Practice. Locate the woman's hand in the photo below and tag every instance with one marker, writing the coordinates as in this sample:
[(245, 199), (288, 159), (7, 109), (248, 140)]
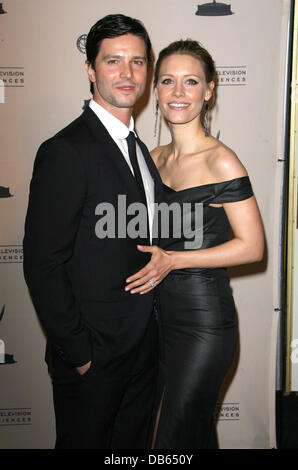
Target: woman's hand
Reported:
[(153, 273)]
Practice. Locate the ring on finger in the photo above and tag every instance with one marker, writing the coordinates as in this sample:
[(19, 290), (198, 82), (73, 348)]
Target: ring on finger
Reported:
[(151, 282)]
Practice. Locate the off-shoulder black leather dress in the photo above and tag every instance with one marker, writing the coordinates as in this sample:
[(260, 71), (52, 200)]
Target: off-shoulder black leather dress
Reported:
[(197, 321)]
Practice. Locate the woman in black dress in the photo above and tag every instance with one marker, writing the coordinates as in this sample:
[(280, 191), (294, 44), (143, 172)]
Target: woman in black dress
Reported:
[(196, 307)]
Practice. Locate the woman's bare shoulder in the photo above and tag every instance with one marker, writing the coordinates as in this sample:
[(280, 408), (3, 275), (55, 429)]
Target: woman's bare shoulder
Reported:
[(225, 164)]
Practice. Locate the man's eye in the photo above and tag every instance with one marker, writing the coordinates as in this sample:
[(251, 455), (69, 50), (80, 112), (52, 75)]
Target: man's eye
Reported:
[(112, 61)]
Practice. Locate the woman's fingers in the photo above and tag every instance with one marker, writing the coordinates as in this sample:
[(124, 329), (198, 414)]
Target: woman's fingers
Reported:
[(145, 287), (142, 281), (152, 274), (138, 275)]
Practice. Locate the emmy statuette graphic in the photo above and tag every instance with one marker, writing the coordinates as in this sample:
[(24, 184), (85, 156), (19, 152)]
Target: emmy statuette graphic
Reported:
[(214, 9), (4, 192)]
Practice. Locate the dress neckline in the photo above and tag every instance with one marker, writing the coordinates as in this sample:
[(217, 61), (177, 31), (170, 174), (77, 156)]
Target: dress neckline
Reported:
[(203, 185)]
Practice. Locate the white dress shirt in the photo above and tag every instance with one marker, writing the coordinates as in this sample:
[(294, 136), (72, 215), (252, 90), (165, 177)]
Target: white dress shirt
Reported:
[(119, 132)]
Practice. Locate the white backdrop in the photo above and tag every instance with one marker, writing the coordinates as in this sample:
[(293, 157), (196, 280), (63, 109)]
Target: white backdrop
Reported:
[(45, 87)]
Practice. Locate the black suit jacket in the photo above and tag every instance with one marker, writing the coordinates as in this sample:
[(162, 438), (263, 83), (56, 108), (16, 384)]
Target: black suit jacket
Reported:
[(77, 280)]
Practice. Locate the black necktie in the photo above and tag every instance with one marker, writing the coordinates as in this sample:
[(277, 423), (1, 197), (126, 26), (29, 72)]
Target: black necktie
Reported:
[(131, 142)]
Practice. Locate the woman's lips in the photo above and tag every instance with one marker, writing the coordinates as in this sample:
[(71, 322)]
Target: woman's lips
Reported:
[(178, 106)]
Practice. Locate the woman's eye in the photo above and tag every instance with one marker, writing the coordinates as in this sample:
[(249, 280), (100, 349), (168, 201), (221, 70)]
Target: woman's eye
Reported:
[(166, 81), (191, 81)]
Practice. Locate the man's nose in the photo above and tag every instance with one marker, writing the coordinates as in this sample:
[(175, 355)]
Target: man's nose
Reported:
[(126, 70)]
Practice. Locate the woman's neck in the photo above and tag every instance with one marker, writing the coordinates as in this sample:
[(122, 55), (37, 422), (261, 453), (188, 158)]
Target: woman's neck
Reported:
[(187, 138)]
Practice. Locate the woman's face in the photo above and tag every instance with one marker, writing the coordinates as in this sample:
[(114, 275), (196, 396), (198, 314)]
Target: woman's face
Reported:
[(182, 88)]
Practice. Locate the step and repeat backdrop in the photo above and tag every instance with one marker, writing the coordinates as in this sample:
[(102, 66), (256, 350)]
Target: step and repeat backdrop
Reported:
[(43, 86)]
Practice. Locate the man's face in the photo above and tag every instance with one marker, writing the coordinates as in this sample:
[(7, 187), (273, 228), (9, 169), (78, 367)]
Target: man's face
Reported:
[(120, 72)]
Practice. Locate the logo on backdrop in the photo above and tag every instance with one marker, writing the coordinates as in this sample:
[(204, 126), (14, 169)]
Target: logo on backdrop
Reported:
[(4, 192), (214, 9), (232, 75), (11, 254), (15, 416), (81, 43), (4, 358), (227, 412), (12, 76), (1, 9)]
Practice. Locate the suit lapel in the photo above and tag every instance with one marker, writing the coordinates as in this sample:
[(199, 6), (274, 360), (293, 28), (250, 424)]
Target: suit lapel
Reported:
[(111, 150), (114, 154)]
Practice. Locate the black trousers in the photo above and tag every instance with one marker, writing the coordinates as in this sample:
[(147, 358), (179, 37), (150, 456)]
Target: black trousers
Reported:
[(111, 405), (99, 412)]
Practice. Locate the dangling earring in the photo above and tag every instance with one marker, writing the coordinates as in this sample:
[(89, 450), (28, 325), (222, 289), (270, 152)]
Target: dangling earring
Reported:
[(206, 121), (156, 119)]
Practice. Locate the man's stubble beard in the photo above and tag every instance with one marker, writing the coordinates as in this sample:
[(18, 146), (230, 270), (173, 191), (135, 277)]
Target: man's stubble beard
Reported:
[(119, 102)]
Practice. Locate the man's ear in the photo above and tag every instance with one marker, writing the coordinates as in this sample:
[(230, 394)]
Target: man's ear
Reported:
[(90, 71)]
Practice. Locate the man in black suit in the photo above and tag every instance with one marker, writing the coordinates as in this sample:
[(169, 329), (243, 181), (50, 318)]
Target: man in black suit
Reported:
[(101, 340)]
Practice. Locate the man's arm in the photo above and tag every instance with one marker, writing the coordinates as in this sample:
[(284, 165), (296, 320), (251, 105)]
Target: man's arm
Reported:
[(56, 201)]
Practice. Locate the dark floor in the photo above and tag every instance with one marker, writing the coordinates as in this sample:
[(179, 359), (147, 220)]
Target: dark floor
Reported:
[(287, 420)]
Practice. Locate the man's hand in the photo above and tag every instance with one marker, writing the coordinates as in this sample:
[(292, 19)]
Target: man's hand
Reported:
[(83, 369)]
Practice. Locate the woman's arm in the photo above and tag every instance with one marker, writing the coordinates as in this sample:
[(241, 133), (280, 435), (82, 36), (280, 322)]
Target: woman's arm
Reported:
[(247, 245)]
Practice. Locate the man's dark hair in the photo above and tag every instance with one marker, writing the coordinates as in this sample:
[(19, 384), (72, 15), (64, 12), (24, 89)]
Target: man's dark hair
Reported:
[(112, 26)]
